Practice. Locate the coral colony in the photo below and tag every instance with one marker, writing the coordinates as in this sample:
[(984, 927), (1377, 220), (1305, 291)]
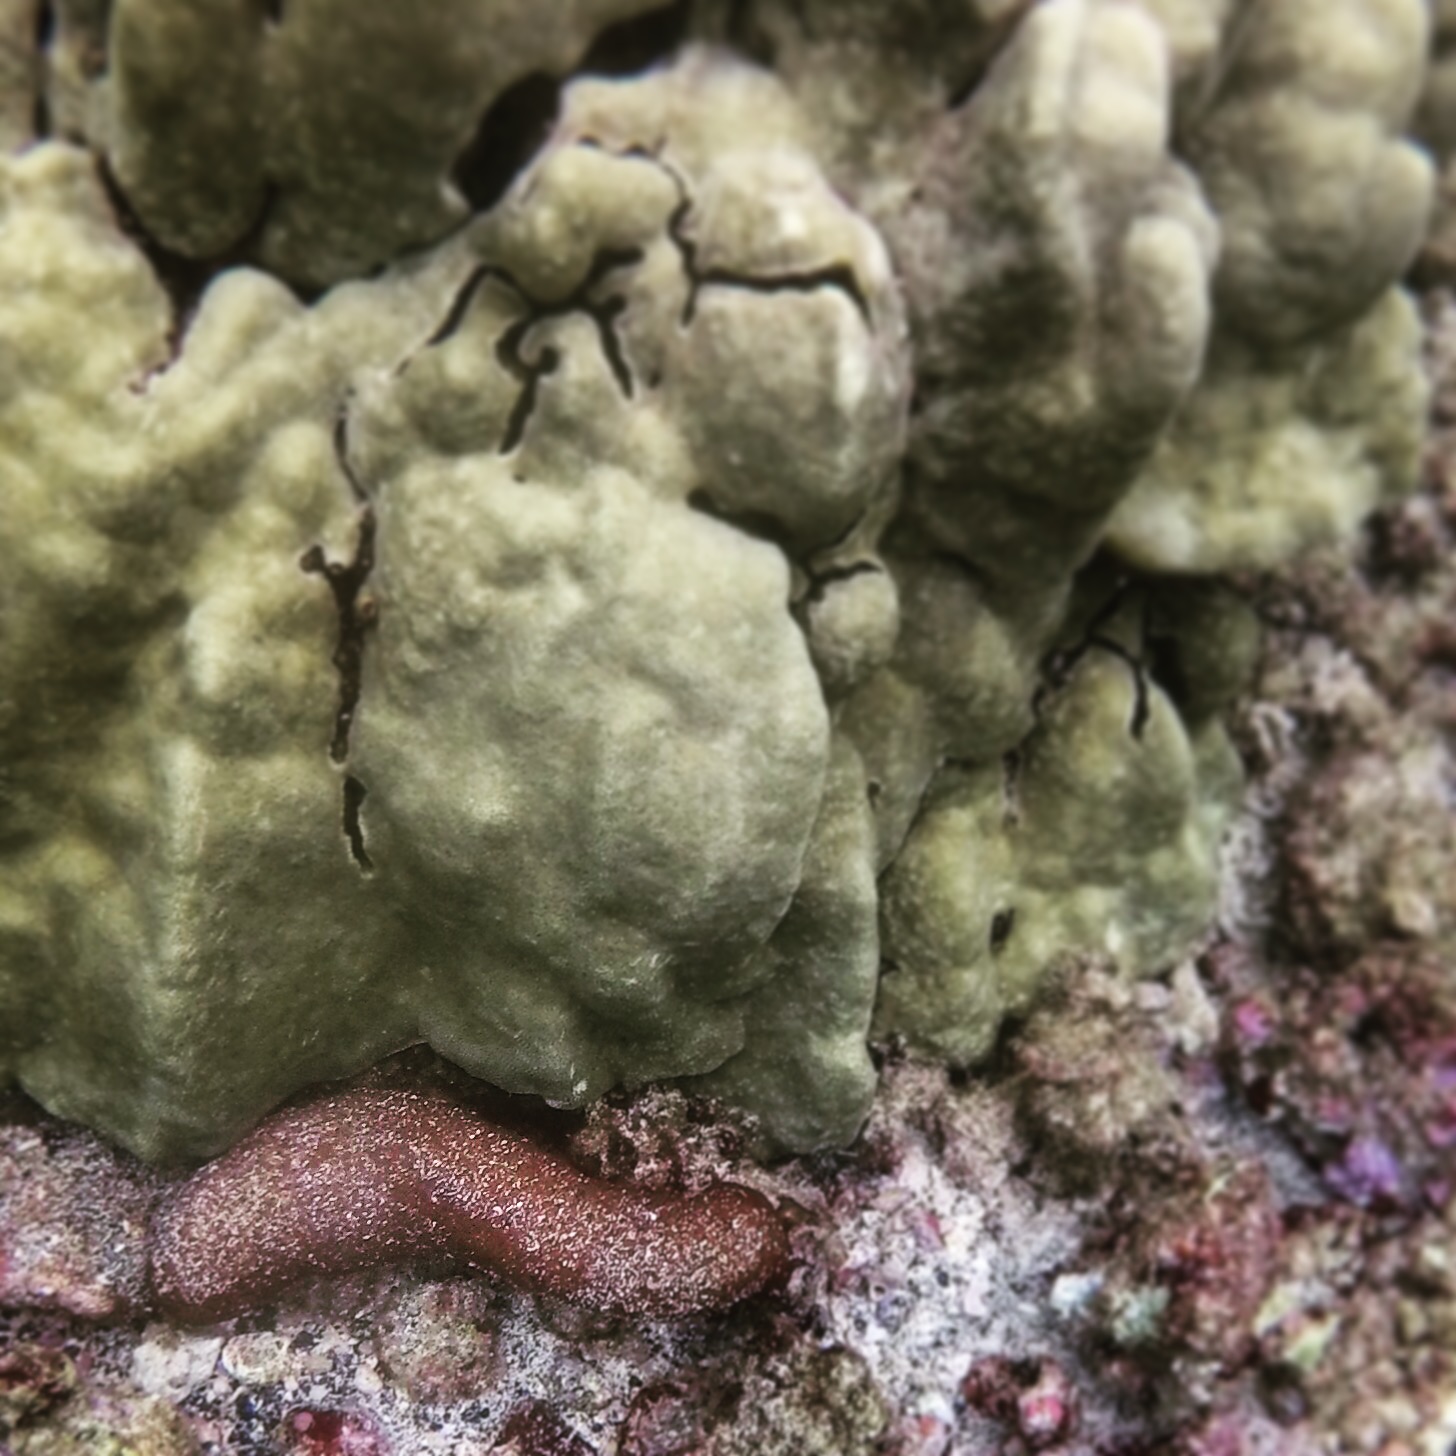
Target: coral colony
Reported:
[(727, 727)]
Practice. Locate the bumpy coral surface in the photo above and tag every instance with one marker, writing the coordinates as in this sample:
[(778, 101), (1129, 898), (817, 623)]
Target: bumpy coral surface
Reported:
[(540, 647), (519, 455), (756, 548)]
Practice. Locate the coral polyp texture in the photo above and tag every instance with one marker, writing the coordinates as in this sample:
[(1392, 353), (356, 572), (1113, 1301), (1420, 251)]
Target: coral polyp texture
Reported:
[(863, 583)]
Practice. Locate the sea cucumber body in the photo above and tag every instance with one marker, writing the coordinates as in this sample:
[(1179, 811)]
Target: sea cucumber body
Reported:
[(370, 1177)]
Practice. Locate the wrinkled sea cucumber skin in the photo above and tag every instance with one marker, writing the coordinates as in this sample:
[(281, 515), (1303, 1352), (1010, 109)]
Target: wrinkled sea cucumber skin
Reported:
[(370, 1177)]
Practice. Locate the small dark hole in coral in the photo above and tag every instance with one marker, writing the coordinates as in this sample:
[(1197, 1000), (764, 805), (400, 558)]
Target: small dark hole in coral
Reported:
[(45, 25), (1003, 922), (1370, 1030), (1260, 1095), (272, 11)]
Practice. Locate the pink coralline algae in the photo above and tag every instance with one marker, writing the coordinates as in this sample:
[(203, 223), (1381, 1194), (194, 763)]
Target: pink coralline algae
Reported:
[(331, 1433), (368, 1177), (536, 1430)]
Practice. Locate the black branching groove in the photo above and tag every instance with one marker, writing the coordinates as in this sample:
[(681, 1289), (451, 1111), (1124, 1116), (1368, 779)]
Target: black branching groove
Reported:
[(531, 376), (345, 579), (354, 794), (357, 614), (460, 305), (687, 248), (840, 276), (341, 454), (1060, 666), (837, 275), (603, 312)]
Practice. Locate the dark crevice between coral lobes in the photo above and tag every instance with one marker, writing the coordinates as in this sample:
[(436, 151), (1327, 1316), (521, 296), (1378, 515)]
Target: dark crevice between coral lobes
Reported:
[(518, 122), (45, 32), (758, 524), (821, 581), (1060, 672), (1237, 34), (184, 278), (988, 52), (1061, 664)]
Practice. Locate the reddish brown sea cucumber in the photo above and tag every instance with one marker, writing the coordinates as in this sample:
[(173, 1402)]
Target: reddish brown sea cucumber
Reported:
[(369, 1177)]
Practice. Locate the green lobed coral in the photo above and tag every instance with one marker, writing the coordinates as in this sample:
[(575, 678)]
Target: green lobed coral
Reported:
[(582, 879), (564, 645)]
